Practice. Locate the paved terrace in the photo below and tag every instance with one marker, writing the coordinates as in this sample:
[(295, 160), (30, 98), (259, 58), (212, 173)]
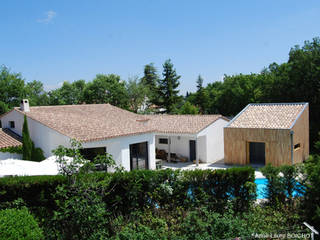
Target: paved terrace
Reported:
[(213, 166)]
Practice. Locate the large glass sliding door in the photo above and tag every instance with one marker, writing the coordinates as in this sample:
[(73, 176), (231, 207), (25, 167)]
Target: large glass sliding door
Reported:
[(139, 156)]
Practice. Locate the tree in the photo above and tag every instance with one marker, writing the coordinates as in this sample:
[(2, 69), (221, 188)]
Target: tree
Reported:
[(34, 91), (3, 108), (167, 87), (137, 93), (27, 144), (201, 96), (150, 80), (188, 108), (106, 89), (68, 93), (11, 87)]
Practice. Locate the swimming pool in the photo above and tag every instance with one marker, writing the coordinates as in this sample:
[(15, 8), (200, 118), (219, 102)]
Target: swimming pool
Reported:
[(262, 186)]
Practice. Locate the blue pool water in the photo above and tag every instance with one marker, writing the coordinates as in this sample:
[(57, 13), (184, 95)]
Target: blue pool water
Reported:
[(261, 186)]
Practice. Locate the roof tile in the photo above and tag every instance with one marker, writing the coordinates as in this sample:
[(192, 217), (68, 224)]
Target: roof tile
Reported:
[(268, 115)]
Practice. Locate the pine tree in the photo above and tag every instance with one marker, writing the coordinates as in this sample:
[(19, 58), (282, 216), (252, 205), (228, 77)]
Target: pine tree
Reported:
[(167, 88), (27, 145), (201, 96), (150, 77)]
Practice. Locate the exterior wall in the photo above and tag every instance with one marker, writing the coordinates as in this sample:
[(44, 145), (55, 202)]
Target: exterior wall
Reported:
[(119, 148), (48, 139), (301, 135), (7, 155), (42, 136), (214, 141), (179, 144), (277, 145)]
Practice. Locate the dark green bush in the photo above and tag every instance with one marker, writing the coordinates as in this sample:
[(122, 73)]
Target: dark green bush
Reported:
[(282, 184), (18, 224), (36, 191)]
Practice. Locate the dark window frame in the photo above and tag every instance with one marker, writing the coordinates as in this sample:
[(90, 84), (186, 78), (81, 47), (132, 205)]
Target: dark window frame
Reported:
[(136, 155), (12, 124), (163, 141)]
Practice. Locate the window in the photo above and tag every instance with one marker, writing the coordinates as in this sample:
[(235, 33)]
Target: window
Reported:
[(163, 140), (297, 146), (11, 124), (91, 153)]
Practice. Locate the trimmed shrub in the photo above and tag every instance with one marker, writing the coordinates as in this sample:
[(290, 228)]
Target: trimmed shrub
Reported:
[(35, 191), (18, 224)]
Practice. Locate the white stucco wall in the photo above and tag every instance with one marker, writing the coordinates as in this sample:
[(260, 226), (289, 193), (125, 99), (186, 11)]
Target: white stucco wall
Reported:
[(119, 148), (179, 144), (42, 136), (7, 155), (48, 139), (214, 137)]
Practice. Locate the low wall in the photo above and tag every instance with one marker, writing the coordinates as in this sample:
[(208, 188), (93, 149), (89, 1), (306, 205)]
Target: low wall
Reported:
[(7, 155)]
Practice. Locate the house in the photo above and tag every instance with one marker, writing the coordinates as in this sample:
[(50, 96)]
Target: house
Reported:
[(130, 138), (276, 133)]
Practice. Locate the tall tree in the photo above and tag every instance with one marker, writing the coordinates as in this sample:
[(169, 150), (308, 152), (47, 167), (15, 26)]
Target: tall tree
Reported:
[(11, 87), (106, 89), (202, 98), (27, 145), (34, 91), (167, 87), (150, 80), (137, 94)]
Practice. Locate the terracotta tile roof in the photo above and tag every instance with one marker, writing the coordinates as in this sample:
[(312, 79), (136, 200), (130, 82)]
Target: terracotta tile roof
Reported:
[(93, 122), (182, 123), (268, 115), (9, 139)]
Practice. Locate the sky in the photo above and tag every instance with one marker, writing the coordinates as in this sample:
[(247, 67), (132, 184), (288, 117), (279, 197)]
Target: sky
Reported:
[(57, 41)]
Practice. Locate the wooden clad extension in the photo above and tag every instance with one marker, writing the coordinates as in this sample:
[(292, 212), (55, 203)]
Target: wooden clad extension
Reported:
[(279, 148)]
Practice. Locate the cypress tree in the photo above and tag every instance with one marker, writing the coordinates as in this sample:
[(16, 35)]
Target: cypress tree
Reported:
[(168, 92), (27, 144)]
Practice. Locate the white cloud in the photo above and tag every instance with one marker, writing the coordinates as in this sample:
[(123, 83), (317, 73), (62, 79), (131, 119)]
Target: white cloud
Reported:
[(49, 16)]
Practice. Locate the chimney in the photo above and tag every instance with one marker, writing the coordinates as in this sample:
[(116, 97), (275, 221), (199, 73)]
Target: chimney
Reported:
[(24, 106)]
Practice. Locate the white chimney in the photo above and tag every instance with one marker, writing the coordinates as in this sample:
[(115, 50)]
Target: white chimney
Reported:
[(24, 105)]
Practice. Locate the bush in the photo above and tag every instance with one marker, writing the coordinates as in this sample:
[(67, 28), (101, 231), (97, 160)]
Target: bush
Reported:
[(18, 224), (35, 191), (282, 184)]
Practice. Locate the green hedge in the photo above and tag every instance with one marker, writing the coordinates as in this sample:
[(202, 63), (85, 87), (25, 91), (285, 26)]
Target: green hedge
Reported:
[(17, 149), (36, 191), (128, 191)]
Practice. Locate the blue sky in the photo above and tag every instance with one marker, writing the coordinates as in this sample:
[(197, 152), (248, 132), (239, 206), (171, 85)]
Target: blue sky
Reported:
[(56, 41)]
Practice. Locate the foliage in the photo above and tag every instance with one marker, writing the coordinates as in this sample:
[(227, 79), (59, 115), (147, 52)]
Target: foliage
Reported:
[(282, 184), (311, 203), (27, 144), (68, 93), (150, 79), (137, 93), (11, 87), (29, 151), (106, 89), (17, 149), (3, 108), (201, 96), (18, 224), (167, 87), (188, 108)]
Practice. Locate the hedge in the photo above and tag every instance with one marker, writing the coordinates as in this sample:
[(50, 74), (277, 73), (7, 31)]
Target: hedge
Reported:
[(140, 189), (18, 224)]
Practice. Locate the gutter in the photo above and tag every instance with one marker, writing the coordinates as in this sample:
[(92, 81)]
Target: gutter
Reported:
[(291, 141)]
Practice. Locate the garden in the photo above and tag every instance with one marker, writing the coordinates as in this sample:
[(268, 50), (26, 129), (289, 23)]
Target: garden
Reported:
[(83, 203)]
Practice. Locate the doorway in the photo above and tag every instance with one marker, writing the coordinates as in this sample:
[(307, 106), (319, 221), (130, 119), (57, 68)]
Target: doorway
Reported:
[(257, 153), (192, 148), (139, 156)]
